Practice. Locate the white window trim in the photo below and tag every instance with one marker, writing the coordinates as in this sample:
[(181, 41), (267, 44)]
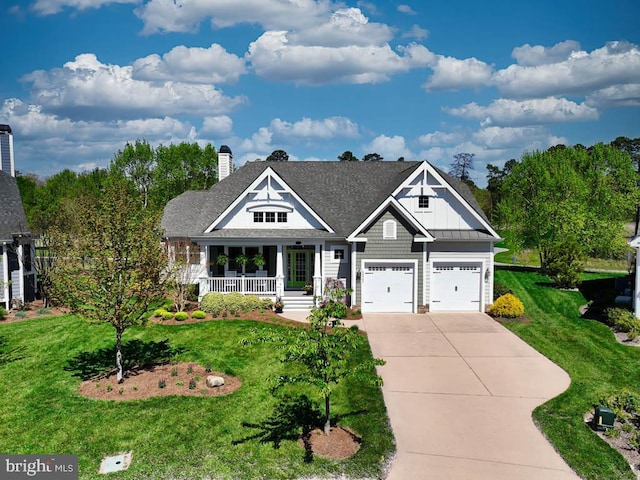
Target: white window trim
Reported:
[(423, 209), (389, 224), (332, 254)]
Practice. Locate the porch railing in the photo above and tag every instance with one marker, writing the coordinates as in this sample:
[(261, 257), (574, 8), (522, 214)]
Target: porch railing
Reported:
[(262, 286)]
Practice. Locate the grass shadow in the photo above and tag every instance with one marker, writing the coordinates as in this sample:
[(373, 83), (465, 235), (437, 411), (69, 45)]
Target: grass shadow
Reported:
[(600, 294), (135, 353), (294, 417), (7, 354)]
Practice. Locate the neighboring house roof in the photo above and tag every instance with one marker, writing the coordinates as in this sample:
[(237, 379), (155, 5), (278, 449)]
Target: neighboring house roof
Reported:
[(343, 194), (12, 218)]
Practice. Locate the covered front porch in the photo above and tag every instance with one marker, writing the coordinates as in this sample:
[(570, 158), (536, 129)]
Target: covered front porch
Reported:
[(263, 270)]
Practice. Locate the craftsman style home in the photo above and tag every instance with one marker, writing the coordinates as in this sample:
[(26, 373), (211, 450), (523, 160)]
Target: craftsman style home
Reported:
[(404, 236)]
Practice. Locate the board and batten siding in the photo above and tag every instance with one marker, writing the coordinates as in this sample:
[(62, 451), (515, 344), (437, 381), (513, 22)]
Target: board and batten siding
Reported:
[(476, 252), (401, 248)]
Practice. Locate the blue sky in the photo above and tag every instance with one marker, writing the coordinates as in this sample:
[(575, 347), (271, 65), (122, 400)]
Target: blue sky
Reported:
[(417, 79)]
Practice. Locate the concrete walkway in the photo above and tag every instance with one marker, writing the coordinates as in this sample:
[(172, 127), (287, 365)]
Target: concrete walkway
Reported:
[(460, 389)]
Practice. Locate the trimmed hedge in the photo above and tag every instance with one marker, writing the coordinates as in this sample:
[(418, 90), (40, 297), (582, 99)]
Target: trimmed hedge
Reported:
[(233, 303)]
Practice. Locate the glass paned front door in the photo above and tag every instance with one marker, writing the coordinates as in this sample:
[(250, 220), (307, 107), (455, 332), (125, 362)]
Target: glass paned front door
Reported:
[(299, 267)]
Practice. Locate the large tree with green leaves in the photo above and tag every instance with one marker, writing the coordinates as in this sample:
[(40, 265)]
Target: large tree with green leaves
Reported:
[(110, 267), (570, 198)]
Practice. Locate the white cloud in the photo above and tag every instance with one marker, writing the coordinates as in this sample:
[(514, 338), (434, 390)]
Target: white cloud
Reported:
[(416, 33), (186, 16), (259, 141), (86, 88), (50, 7), (617, 63), (616, 96), (507, 112), (346, 27), (391, 148), (453, 74), (439, 138), (54, 143), (219, 126), (406, 9), (516, 137), (190, 65), (272, 57), (307, 128), (529, 56)]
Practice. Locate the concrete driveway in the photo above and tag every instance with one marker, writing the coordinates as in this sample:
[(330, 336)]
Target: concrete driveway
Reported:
[(460, 389)]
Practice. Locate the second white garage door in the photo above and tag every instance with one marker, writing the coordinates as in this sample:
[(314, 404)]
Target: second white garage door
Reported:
[(388, 287), (455, 286)]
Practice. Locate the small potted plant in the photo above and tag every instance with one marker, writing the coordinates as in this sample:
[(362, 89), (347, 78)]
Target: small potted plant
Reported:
[(308, 288), (278, 305)]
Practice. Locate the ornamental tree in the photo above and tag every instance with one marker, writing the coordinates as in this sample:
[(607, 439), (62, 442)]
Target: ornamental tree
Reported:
[(110, 269), (323, 351)]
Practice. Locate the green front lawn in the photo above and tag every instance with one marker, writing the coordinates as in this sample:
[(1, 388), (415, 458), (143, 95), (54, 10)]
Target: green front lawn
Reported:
[(588, 352), (171, 437)]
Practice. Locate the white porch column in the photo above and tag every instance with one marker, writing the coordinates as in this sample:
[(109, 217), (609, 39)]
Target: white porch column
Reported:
[(636, 290), (279, 271), (21, 271), (317, 272), (354, 273), (5, 276)]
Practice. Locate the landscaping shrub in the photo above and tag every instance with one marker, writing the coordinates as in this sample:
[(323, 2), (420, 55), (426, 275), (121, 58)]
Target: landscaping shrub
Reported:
[(266, 303), (181, 316), (507, 306), (167, 316), (499, 290), (217, 303), (622, 320), (199, 314), (3, 313), (213, 302), (159, 312)]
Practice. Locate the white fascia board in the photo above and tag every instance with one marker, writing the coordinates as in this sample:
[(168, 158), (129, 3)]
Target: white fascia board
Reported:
[(391, 201), (426, 167), (268, 172)]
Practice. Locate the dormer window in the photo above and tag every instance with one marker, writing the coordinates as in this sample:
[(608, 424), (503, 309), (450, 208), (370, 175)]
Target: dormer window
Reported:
[(270, 217), (423, 202)]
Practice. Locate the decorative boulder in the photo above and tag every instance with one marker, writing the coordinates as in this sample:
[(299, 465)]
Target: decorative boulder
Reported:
[(213, 381)]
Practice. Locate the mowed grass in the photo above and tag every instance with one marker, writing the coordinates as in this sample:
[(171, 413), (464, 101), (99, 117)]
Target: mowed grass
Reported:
[(589, 353), (171, 437)]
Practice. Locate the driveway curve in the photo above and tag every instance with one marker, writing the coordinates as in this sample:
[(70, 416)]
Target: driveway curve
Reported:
[(459, 390)]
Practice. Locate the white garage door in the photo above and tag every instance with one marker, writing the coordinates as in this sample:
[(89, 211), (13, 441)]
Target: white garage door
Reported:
[(388, 287), (456, 286)]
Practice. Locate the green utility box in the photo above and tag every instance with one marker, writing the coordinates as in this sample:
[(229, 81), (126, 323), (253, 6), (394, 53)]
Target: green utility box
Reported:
[(603, 418)]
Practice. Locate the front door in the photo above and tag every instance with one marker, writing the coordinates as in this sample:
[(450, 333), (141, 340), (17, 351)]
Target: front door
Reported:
[(299, 267)]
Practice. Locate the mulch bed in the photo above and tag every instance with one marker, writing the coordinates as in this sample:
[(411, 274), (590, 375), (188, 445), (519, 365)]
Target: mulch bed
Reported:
[(143, 383), (340, 443), (620, 443)]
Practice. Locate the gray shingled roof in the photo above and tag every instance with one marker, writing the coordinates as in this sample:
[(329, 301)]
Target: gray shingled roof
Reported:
[(12, 218), (343, 194)]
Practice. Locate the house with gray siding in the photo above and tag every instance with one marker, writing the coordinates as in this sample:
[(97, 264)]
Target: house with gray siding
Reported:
[(17, 274), (403, 236)]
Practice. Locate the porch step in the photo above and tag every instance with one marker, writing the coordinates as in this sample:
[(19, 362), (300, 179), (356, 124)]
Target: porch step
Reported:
[(297, 302)]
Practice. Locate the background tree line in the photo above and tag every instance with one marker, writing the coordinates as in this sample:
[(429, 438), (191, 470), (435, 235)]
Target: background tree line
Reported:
[(157, 175)]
